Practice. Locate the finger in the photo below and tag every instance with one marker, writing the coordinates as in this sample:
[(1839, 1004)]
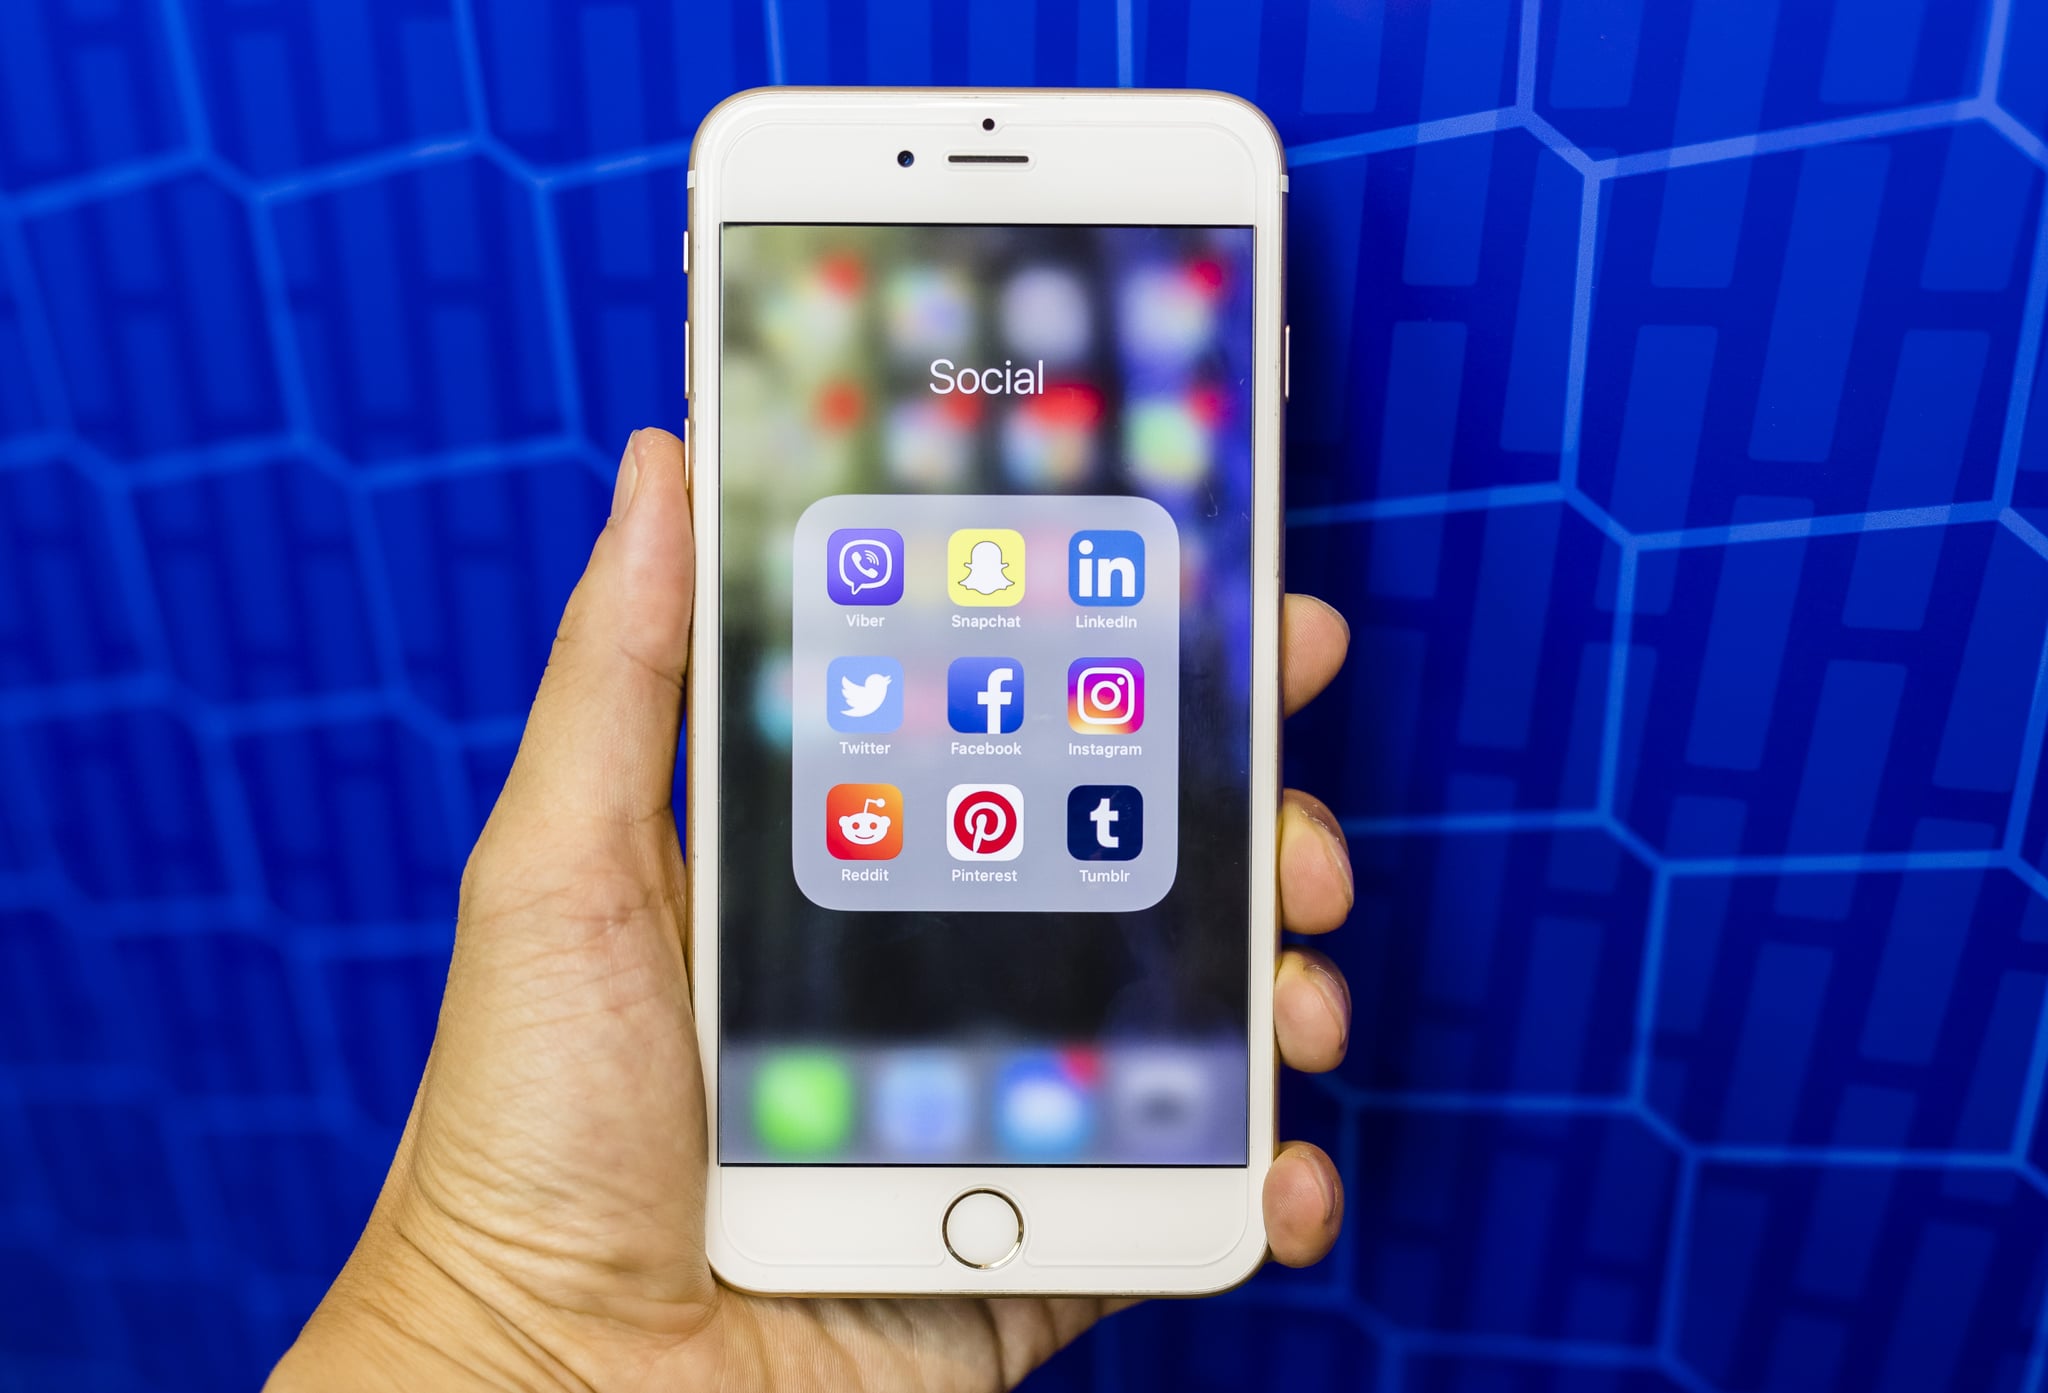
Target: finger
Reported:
[(1315, 866), (1313, 640), (600, 742), (1304, 1205), (1311, 1011)]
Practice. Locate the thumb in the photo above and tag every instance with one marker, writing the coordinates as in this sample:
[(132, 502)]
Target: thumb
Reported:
[(600, 742)]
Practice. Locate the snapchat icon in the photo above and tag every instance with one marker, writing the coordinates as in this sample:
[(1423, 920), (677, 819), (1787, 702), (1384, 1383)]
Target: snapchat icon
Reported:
[(985, 566)]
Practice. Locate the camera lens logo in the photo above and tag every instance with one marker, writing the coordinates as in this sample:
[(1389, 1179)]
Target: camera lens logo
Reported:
[(864, 822), (864, 566), (985, 822), (1106, 696)]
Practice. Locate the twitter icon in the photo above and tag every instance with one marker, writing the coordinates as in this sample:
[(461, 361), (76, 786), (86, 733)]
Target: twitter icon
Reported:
[(864, 694)]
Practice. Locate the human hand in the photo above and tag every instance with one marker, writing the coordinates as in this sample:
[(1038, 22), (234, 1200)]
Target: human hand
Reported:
[(542, 1224)]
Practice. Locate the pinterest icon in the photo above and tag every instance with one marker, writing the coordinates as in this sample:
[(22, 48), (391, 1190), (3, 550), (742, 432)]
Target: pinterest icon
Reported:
[(985, 822)]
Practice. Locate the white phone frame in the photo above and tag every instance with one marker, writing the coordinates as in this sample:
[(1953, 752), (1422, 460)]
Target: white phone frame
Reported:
[(1096, 157)]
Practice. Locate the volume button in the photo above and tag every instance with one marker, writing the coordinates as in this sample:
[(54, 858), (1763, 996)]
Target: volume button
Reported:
[(1286, 360)]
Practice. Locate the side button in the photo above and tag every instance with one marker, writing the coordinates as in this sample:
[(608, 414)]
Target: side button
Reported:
[(1286, 360)]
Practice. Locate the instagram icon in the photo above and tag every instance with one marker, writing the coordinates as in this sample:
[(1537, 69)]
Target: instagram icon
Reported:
[(1105, 696)]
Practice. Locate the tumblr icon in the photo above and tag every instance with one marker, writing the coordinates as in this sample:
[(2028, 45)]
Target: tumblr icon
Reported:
[(1105, 822)]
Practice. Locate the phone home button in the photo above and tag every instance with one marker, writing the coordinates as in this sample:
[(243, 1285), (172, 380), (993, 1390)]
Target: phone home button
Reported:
[(983, 1229)]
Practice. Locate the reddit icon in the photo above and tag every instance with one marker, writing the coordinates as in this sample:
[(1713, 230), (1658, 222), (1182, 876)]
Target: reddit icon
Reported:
[(864, 822)]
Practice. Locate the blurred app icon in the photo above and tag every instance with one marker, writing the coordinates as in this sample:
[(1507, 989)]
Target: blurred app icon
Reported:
[(985, 696), (1106, 696), (864, 694), (864, 566), (924, 1105), (1045, 313), (809, 316), (985, 566), (803, 1103), (1105, 822), (1045, 1104), (1050, 441), (838, 406), (1159, 1104), (864, 822), (927, 309), (1166, 443), (1106, 567), (1167, 314), (929, 444)]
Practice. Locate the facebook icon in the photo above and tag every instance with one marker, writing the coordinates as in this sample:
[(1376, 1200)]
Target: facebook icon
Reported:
[(1106, 567), (1105, 822), (985, 696)]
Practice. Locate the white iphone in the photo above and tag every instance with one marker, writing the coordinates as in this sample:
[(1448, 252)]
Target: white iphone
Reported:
[(985, 419)]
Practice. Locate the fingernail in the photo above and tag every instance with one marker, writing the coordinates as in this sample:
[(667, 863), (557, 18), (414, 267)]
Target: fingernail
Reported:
[(1340, 857), (1336, 614), (629, 477), (1326, 1181), (1334, 847), (1336, 994)]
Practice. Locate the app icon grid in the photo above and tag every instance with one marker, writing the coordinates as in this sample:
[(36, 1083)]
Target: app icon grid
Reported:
[(1665, 418), (961, 667)]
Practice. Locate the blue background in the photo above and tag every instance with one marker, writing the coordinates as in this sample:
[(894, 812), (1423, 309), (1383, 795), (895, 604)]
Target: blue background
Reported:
[(1666, 416)]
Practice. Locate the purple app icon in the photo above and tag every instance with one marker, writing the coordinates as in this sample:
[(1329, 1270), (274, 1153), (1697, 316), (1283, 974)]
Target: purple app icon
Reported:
[(864, 566)]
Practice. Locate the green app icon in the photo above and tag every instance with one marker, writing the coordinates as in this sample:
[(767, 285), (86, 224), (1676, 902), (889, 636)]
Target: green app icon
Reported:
[(803, 1103)]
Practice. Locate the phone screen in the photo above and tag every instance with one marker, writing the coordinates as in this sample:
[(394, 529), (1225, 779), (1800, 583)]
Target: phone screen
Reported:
[(986, 588)]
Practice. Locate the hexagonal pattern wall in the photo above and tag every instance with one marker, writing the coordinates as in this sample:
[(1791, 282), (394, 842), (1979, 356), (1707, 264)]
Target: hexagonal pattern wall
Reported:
[(1669, 419)]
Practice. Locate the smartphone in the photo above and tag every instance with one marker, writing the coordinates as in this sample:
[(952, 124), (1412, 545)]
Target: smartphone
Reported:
[(985, 425)]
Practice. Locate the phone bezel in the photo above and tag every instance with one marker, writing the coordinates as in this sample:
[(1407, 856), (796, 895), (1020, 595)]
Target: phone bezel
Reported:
[(1094, 157)]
